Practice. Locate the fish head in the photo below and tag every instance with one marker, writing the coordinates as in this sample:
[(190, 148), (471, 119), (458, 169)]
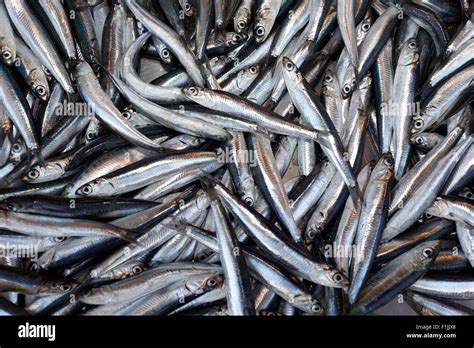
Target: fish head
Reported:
[(384, 168), (419, 123), (197, 94), (236, 39), (8, 55), (410, 53), (242, 19), (97, 187), (307, 303), (426, 252)]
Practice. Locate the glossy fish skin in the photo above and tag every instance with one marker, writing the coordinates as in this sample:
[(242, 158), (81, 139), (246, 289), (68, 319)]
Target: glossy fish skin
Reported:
[(428, 20), (432, 229), (86, 207), (35, 36), (383, 74), (237, 279), (243, 15), (346, 23), (58, 17), (202, 27), (241, 108), (431, 187), (169, 37), (456, 287), (347, 228), (16, 279), (265, 15), (7, 39), (412, 179), (371, 45), (141, 173), (163, 301), (371, 223), (17, 109), (271, 184), (269, 273), (456, 61), (85, 32), (315, 114), (151, 280), (112, 47), (90, 90), (32, 71), (426, 141), (240, 157), (336, 193), (36, 225), (149, 91), (439, 306), (443, 100), (280, 246), (453, 208), (396, 276), (404, 88), (155, 237)]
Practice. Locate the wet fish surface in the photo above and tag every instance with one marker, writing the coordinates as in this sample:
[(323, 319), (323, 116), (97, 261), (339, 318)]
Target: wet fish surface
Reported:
[(239, 158)]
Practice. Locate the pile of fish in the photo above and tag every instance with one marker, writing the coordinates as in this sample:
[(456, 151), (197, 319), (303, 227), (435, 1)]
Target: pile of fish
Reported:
[(236, 157)]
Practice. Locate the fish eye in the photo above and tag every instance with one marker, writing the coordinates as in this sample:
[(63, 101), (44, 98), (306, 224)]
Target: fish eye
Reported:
[(468, 194), (242, 24), (311, 234), (16, 148), (419, 124), (365, 27), (193, 91), (419, 140), (316, 308), (46, 71), (289, 66), (165, 53), (270, 314), (127, 114), (59, 239), (237, 37), (388, 161), (65, 287), (347, 89), (328, 78), (10, 207), (248, 201), (7, 55), (87, 189), (211, 283), (427, 252), (40, 90), (91, 135), (260, 31), (187, 7), (33, 174), (412, 44), (137, 269), (253, 70), (337, 277)]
